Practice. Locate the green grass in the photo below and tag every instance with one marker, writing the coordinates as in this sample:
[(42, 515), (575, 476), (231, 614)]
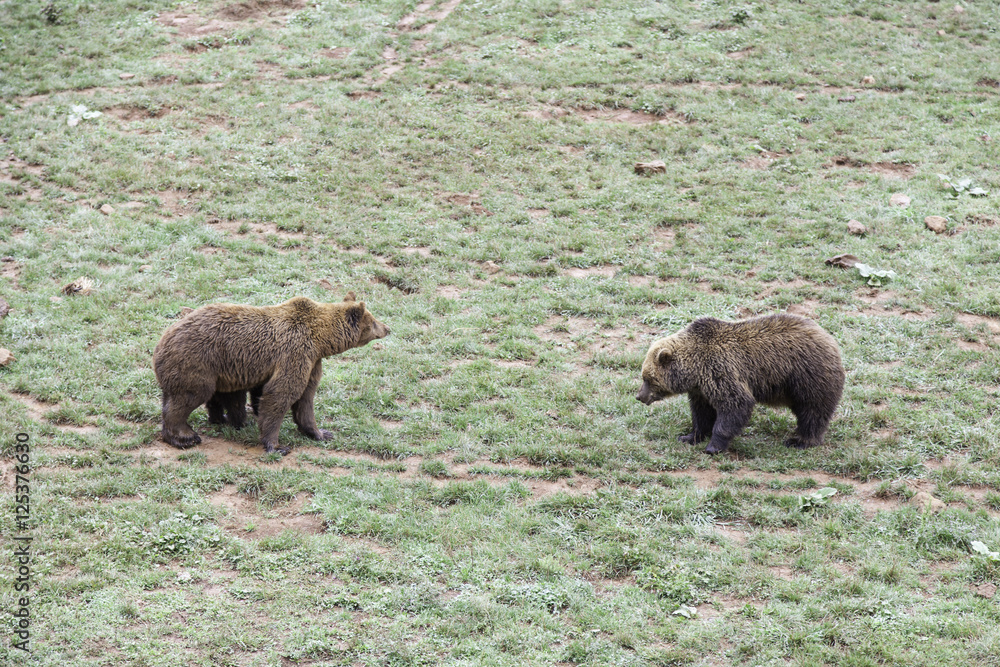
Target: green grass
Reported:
[(494, 493)]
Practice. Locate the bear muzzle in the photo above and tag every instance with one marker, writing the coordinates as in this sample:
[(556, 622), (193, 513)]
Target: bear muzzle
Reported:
[(646, 394)]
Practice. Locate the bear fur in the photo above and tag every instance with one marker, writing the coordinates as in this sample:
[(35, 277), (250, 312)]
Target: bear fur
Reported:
[(725, 368), (219, 352)]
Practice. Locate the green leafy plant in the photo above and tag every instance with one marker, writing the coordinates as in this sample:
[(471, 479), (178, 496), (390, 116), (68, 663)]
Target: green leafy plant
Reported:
[(960, 187), (985, 551), (80, 112), (818, 498), (876, 277)]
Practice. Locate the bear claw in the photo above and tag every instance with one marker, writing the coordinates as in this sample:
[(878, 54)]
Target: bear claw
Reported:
[(182, 441)]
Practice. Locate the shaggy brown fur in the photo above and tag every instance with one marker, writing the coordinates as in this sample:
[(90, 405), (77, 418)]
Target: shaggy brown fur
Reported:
[(219, 352), (727, 367)]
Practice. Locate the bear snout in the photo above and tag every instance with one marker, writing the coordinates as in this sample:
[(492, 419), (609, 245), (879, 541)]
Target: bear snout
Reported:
[(646, 394)]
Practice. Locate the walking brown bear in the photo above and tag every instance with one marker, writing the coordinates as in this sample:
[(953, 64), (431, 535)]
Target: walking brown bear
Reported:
[(725, 368), (217, 353)]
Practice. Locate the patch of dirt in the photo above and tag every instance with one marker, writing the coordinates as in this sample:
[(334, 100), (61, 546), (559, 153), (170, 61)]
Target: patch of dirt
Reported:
[(38, 411), (261, 230), (338, 53), (891, 170), (740, 55), (244, 513), (11, 270), (175, 202), (978, 321), (605, 271), (254, 9), (267, 12), (625, 116), (449, 292), (764, 160), (422, 251), (131, 113), (512, 363), (464, 200)]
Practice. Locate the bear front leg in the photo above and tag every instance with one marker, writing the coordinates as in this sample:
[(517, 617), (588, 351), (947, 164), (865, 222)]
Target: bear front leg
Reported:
[(302, 409), (216, 409), (702, 417), (732, 418)]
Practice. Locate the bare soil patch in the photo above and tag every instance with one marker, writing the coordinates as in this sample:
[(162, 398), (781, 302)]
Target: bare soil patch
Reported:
[(38, 411), (261, 230), (605, 271), (246, 517), (265, 12), (624, 116), (891, 170), (465, 200)]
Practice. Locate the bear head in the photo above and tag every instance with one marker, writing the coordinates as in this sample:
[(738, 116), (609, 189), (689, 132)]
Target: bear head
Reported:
[(368, 327), (664, 372)]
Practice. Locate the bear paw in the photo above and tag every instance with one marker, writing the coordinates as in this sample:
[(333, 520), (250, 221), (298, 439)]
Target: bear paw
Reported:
[(796, 442), (182, 441), (271, 448), (715, 448)]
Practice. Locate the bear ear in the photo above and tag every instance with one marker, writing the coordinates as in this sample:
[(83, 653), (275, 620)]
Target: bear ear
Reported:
[(350, 296), (354, 314), (663, 357)]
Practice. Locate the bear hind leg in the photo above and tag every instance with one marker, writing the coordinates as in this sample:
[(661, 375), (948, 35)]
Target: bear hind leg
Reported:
[(176, 409), (812, 425)]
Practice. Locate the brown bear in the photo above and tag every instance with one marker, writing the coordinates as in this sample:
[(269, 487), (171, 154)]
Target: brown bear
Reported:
[(727, 367), (217, 353)]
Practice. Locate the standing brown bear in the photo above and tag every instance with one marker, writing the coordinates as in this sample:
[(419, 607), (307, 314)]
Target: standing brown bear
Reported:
[(727, 367), (220, 351)]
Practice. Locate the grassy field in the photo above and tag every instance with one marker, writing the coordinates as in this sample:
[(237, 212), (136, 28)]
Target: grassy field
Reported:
[(495, 495)]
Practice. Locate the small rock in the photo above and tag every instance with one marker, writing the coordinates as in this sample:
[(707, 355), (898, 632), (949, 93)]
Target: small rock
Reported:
[(800, 97), (4, 308), (959, 9), (941, 33), (107, 209), (927, 502), (491, 267), (81, 286), (847, 98), (843, 261), (5, 357), (986, 590), (856, 228), (868, 80), (126, 76), (654, 167), (936, 224), (899, 199), (325, 284), (145, 267)]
